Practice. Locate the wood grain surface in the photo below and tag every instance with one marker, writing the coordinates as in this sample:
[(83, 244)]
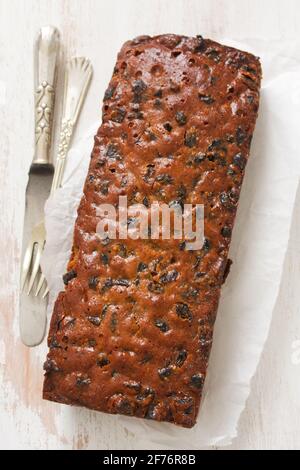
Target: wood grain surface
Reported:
[(97, 28)]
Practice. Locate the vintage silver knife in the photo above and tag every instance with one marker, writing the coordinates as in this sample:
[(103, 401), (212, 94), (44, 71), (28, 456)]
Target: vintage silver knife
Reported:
[(33, 308)]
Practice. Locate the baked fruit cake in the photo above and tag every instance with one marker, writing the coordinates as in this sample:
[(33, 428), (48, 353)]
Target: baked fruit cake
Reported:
[(132, 331)]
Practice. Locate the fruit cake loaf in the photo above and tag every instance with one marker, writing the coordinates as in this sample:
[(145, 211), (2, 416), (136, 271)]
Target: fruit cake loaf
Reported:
[(132, 331)]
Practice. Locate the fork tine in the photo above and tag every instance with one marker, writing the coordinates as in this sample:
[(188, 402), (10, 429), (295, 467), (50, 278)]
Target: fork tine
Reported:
[(40, 284), (46, 292), (26, 264), (35, 268)]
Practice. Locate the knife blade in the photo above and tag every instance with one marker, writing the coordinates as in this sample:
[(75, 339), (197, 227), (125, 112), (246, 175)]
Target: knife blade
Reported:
[(32, 316)]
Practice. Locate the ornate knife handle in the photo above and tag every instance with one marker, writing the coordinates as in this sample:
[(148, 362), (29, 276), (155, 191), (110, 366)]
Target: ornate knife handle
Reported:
[(77, 79), (45, 61)]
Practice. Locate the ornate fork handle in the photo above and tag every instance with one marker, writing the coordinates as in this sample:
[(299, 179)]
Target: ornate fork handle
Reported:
[(63, 147), (77, 78)]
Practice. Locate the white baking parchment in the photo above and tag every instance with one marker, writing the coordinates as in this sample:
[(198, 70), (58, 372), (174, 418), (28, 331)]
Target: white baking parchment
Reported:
[(258, 248)]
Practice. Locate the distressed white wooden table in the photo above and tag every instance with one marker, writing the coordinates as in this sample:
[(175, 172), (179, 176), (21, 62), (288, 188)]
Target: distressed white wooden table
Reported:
[(97, 28)]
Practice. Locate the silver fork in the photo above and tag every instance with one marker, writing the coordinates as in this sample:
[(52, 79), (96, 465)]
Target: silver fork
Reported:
[(77, 78)]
